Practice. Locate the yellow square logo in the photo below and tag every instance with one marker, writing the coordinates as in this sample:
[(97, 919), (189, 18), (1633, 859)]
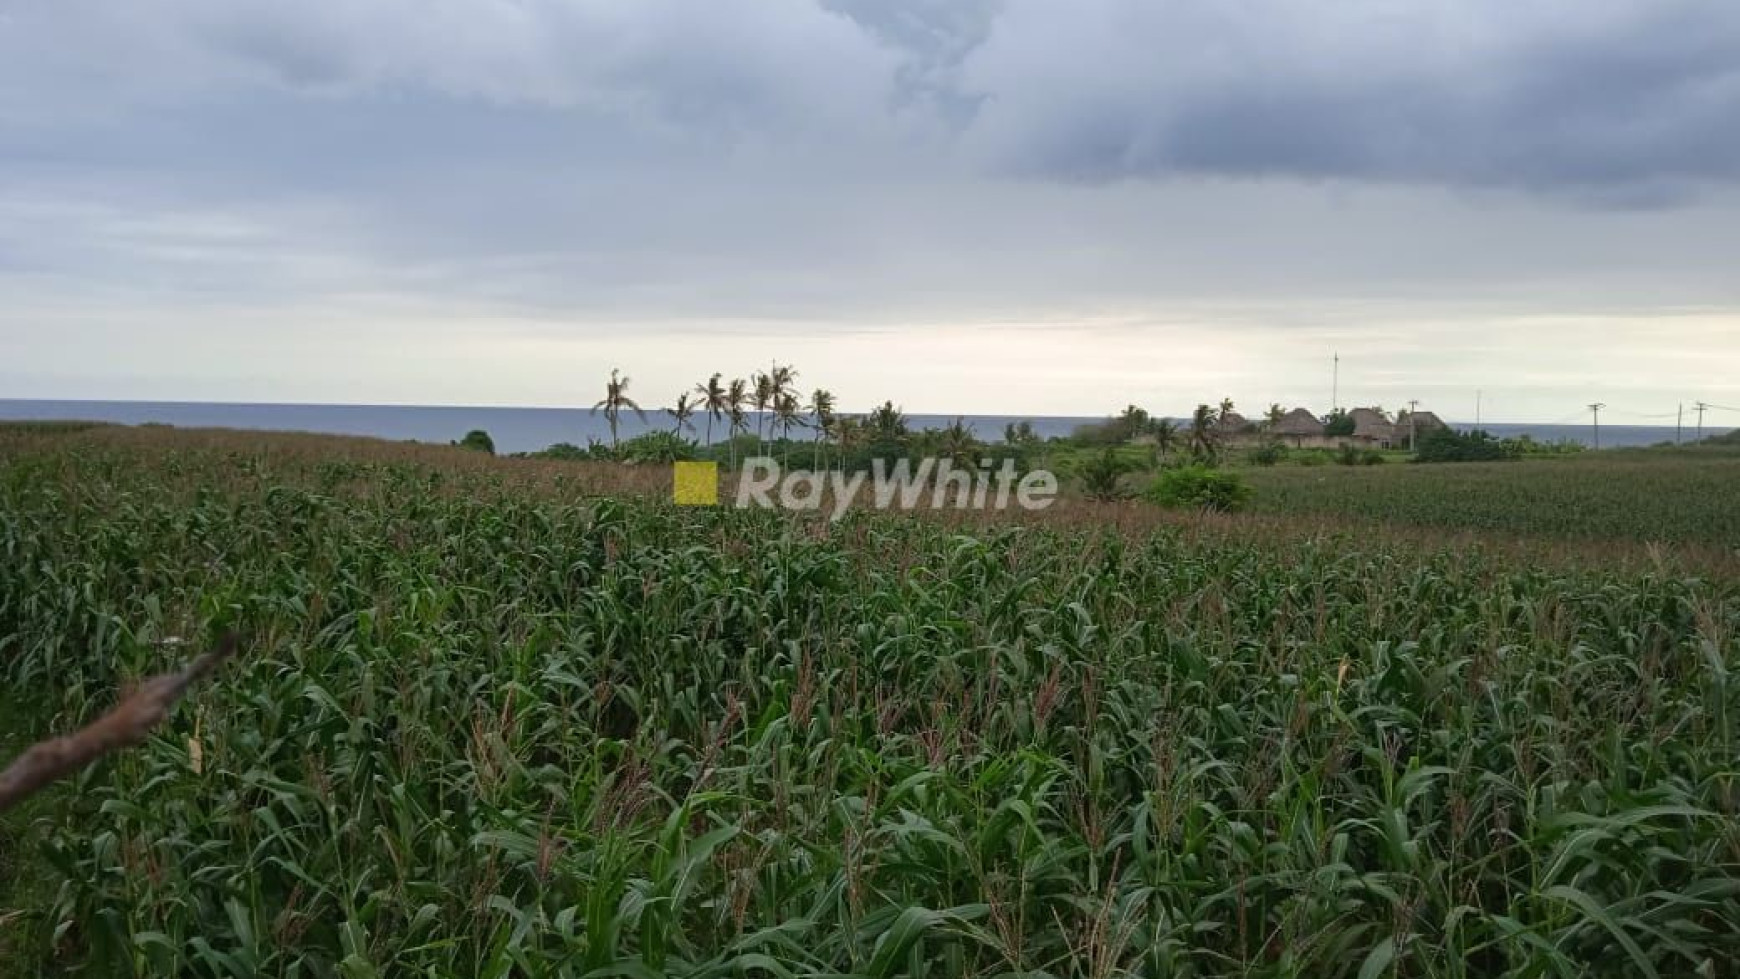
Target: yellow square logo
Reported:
[(695, 483)]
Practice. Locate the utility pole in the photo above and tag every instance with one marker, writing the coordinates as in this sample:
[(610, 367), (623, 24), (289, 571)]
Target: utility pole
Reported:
[(1596, 408), (1335, 390), (1680, 423), (1478, 395), (1413, 424), (1701, 406)]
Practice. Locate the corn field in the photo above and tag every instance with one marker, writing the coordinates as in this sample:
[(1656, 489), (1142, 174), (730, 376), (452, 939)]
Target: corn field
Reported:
[(1689, 497), (488, 721)]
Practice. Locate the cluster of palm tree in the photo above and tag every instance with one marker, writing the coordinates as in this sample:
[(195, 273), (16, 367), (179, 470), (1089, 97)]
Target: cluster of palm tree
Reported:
[(1209, 427), (771, 398), (777, 407), (1202, 436)]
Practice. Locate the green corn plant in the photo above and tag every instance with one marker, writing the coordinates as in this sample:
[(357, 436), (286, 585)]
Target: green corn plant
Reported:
[(507, 717)]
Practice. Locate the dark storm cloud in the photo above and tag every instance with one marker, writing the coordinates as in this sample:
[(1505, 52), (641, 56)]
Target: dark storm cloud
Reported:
[(1599, 97), (1615, 99)]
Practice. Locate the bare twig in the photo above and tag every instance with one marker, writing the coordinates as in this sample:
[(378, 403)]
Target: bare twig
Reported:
[(127, 725)]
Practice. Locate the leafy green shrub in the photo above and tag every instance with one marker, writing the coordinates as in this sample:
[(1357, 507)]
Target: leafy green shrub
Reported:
[(1526, 447), (1102, 477), (1449, 445), (479, 440), (657, 447), (1020, 456), (51, 427), (1351, 455), (1199, 487), (1133, 421), (567, 452), (1108, 432), (1267, 454)]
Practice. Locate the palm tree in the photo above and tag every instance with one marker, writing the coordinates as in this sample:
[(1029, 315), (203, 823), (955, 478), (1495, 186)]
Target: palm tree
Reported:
[(782, 384), (849, 435), (1275, 415), (1166, 436), (1226, 410), (736, 400), (1203, 437), (784, 379), (956, 442), (615, 399), (682, 412), (822, 410), (761, 397), (1133, 421), (887, 423), (713, 403), (786, 414)]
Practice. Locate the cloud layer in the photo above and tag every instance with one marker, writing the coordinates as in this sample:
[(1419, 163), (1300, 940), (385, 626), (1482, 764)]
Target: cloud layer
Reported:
[(1609, 95), (1627, 96), (559, 171)]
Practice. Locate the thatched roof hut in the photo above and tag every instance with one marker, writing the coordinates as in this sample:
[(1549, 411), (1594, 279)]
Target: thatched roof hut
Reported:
[(1370, 425), (1232, 423), (1421, 422), (1299, 423)]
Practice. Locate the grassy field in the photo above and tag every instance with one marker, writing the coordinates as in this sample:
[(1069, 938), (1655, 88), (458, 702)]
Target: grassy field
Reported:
[(1644, 495), (506, 718)]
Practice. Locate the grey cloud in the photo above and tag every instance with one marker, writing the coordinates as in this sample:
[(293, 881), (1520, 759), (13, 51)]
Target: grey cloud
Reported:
[(747, 159), (933, 38), (1619, 101), (787, 68), (1615, 97)]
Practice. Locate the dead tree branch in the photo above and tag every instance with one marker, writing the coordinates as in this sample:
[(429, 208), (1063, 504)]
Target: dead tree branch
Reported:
[(127, 725)]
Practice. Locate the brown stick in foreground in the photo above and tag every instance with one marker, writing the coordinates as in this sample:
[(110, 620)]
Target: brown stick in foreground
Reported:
[(127, 725)]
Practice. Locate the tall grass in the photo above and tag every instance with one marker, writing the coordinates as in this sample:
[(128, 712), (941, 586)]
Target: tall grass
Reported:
[(486, 731)]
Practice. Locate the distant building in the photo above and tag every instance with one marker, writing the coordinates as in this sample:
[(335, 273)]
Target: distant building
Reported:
[(1373, 428), (1299, 426), (1232, 423), (1411, 427)]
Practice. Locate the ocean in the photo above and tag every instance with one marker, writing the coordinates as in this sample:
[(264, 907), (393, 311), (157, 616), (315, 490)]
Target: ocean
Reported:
[(530, 429)]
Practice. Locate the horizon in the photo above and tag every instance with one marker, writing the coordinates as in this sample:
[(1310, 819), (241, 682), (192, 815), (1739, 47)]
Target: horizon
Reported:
[(657, 417)]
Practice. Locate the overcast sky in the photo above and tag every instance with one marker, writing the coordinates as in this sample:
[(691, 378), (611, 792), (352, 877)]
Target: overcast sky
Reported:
[(1025, 206)]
